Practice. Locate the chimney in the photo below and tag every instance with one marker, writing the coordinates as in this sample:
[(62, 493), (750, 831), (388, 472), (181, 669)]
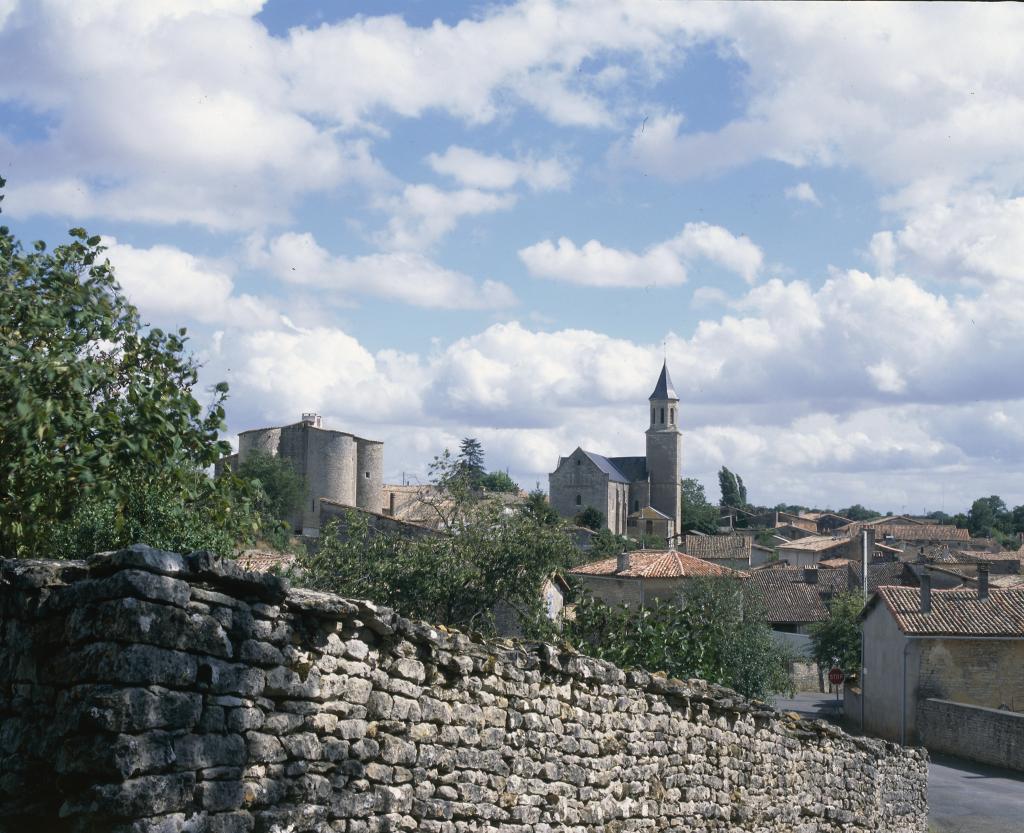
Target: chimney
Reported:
[(311, 418), (811, 575), (622, 562), (926, 592), (983, 581), (869, 546)]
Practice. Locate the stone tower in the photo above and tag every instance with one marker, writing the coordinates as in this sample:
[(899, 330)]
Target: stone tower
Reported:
[(665, 449)]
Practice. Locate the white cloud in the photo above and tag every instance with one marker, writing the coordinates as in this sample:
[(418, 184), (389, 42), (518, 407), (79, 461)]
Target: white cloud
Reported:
[(870, 90), (422, 214), (168, 285), (480, 170), (408, 277), (973, 235), (664, 264), (802, 192)]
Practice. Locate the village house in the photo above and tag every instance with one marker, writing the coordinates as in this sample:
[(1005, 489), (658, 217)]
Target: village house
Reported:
[(638, 578), (945, 669)]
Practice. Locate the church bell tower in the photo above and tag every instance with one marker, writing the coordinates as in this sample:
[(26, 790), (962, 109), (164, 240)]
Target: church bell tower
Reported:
[(665, 450)]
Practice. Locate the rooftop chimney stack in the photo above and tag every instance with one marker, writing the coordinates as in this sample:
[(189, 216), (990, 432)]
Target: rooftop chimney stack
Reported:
[(311, 418), (622, 562), (983, 581), (811, 575), (926, 592)]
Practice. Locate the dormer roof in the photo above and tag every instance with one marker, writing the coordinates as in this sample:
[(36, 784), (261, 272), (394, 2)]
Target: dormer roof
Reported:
[(664, 389)]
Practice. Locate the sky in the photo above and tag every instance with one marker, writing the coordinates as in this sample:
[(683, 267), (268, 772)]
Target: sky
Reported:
[(431, 221)]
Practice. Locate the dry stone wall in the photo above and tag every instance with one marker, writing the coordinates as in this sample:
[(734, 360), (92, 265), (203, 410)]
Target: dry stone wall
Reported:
[(147, 692)]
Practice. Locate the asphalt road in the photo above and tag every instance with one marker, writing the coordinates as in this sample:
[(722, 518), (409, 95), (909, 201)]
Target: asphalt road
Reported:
[(963, 797)]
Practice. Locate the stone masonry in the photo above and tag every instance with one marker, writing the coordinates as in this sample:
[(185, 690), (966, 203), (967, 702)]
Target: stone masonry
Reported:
[(150, 692)]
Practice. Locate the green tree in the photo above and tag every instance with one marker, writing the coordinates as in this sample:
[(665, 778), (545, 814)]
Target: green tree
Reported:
[(540, 508), (500, 482), (716, 631), (281, 489), (732, 489), (858, 513), (591, 518), (698, 513), (988, 517), (451, 579), (97, 409), (471, 461), (839, 635)]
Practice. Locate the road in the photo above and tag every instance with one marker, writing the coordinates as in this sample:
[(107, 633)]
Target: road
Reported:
[(963, 797)]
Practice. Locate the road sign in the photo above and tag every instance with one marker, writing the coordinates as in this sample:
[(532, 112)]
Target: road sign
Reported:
[(835, 676)]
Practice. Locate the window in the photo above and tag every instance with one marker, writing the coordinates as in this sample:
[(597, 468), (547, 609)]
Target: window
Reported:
[(636, 506), (650, 527), (652, 416), (578, 461), (579, 500), (671, 416), (662, 416), (367, 475)]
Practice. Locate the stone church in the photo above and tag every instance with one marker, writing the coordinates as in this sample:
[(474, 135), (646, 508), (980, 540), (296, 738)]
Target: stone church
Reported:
[(635, 494)]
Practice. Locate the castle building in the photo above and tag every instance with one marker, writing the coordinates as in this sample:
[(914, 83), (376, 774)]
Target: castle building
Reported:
[(335, 465), (635, 494)]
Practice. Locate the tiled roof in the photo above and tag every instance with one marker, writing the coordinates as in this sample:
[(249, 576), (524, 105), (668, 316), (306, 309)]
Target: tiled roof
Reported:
[(974, 556), (651, 514), (263, 561), (718, 546), (956, 612), (888, 572), (923, 532), (815, 543), (606, 465), (836, 562), (787, 601), (654, 564)]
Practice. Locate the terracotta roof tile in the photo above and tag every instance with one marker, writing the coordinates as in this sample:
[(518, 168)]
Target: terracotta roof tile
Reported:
[(815, 543), (956, 612), (713, 547), (922, 532), (787, 600), (654, 564)]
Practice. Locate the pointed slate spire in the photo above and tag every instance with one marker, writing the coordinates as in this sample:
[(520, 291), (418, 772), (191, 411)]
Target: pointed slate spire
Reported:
[(664, 389)]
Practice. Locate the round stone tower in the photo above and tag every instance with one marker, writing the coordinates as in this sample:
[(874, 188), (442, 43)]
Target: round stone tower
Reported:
[(369, 474)]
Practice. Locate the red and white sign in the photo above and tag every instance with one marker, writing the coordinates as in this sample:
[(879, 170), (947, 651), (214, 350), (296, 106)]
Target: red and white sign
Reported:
[(836, 676)]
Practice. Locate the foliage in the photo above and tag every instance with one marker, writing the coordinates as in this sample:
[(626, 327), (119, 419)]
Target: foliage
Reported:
[(734, 493), (591, 518), (858, 513), (451, 579), (698, 513), (499, 481), (98, 412), (605, 542), (716, 632), (471, 461), (538, 506), (158, 515), (279, 489), (839, 635)]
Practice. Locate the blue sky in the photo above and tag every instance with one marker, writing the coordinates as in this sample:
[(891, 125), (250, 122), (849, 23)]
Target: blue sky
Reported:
[(497, 221)]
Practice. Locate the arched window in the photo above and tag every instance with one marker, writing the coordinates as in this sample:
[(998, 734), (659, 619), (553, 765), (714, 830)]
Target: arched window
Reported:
[(671, 416), (578, 461), (662, 416), (579, 500), (652, 416)]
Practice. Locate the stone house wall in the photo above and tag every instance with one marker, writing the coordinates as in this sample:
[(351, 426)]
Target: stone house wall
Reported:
[(989, 736), (147, 692)]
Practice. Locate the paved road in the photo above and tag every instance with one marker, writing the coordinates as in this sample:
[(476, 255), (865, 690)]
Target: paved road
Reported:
[(963, 797)]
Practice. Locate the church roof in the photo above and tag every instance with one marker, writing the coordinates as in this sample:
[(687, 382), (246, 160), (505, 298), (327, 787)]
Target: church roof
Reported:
[(664, 389), (606, 465)]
